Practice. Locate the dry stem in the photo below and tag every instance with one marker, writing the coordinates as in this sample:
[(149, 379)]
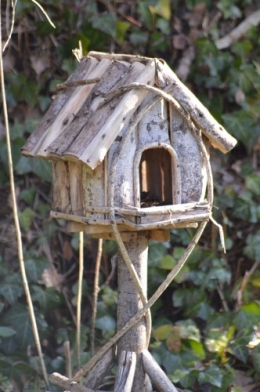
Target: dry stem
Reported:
[(16, 218)]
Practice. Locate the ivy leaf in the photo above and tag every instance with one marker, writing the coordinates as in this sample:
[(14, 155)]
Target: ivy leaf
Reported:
[(121, 29), (105, 23), (212, 375), (6, 332), (239, 349), (18, 316), (256, 359), (252, 249), (253, 183), (11, 291), (167, 262), (197, 349), (35, 268), (162, 8), (26, 217)]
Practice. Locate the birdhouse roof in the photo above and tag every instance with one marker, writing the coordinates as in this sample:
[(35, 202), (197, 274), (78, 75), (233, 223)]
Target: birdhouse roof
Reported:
[(86, 115)]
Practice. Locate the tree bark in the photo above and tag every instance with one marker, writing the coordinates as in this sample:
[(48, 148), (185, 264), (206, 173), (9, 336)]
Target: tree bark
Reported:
[(129, 302)]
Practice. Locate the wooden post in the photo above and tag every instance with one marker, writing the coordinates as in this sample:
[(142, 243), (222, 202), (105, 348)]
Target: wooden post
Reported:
[(129, 302)]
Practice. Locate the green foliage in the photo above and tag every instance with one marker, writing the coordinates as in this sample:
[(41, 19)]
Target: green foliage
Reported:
[(206, 326)]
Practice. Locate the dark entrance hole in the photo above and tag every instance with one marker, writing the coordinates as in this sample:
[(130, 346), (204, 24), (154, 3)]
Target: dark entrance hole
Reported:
[(156, 177)]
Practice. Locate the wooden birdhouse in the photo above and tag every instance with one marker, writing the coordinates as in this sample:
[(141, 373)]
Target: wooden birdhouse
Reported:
[(129, 146), (125, 135)]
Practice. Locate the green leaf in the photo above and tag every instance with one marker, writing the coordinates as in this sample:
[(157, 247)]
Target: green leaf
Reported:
[(106, 323), (18, 316), (155, 253), (28, 195), (121, 29), (138, 37), (197, 349), (167, 262), (163, 8), (35, 268), (256, 358), (11, 291), (105, 23), (239, 349), (252, 309), (252, 249), (162, 332), (212, 375), (26, 216), (217, 340), (253, 183), (6, 332), (188, 330)]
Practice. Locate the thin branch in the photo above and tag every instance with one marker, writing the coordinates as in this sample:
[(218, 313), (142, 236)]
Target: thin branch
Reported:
[(67, 355), (244, 282), (95, 295), (12, 25), (79, 296), (62, 86), (45, 13), (16, 218), (239, 31)]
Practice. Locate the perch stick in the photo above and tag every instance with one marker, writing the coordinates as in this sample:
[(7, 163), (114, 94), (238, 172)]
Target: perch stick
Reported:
[(137, 226), (135, 211), (95, 295), (15, 214), (79, 296), (147, 306)]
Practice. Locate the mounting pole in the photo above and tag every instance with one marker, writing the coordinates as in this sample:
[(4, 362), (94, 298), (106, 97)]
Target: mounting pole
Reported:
[(129, 303)]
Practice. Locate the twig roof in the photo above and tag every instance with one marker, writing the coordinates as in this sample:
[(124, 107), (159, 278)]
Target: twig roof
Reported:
[(82, 123)]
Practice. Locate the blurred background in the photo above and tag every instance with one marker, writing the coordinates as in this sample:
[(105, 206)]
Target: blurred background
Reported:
[(206, 326)]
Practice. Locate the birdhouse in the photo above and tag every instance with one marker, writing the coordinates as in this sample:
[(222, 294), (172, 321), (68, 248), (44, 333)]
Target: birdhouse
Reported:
[(124, 135)]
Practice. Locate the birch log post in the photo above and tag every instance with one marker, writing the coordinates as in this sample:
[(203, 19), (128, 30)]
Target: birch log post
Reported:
[(125, 372), (129, 303)]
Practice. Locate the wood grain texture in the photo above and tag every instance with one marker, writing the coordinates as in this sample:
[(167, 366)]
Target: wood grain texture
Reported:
[(215, 132)]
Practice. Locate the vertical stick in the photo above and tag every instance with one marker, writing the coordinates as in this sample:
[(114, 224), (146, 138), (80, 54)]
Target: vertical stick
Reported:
[(79, 297), (95, 296), (129, 302), (16, 217)]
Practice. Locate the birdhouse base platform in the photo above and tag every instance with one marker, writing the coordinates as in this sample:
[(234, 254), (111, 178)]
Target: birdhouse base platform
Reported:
[(97, 222)]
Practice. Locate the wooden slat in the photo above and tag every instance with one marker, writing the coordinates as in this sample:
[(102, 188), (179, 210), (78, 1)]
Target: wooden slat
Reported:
[(109, 80), (76, 188), (153, 127), (94, 152), (193, 177), (70, 109), (93, 189), (106, 232), (85, 66), (84, 143), (61, 187), (121, 57), (215, 132)]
